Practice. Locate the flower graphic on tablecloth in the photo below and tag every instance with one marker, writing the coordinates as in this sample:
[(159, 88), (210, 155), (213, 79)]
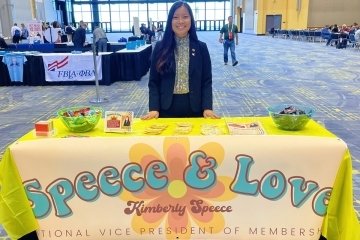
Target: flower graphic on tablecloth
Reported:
[(177, 195)]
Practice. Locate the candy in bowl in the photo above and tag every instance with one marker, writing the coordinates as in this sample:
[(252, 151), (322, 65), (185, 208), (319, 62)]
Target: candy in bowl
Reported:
[(80, 119), (290, 117)]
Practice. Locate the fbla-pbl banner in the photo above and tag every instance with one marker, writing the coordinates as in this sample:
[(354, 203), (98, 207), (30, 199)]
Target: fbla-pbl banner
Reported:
[(213, 187), (71, 67)]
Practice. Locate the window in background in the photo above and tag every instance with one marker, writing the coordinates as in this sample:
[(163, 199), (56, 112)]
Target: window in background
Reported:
[(162, 13), (143, 14), (198, 9), (210, 5), (158, 12), (104, 17), (133, 10), (125, 20), (153, 11), (120, 17), (138, 10), (104, 13), (69, 12), (163, 7), (83, 12), (219, 10), (120, 13)]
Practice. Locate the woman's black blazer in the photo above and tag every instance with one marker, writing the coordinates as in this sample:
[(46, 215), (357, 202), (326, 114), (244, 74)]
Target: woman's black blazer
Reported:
[(161, 86)]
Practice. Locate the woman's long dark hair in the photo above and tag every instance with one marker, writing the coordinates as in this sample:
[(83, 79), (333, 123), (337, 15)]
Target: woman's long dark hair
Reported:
[(167, 44)]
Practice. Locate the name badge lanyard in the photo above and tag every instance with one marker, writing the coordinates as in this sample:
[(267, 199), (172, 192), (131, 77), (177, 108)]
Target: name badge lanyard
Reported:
[(230, 32)]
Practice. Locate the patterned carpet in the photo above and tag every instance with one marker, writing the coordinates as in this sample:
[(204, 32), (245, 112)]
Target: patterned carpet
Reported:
[(270, 70)]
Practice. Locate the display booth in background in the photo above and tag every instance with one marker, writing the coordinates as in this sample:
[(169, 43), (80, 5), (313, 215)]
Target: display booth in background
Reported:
[(35, 32)]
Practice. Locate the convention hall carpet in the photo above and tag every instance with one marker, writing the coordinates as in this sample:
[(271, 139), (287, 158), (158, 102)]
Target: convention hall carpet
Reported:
[(270, 70)]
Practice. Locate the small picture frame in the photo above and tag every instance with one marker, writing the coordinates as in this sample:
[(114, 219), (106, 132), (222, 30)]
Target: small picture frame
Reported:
[(117, 121)]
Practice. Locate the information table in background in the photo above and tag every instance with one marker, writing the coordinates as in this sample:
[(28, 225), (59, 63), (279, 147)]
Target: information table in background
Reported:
[(133, 64), (98, 185), (124, 65), (34, 71)]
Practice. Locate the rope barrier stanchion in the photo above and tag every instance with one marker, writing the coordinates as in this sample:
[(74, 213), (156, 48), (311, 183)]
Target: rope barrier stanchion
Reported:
[(98, 99)]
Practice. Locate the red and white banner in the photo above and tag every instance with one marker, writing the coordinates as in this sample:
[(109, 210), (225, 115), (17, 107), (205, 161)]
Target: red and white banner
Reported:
[(214, 187), (71, 67)]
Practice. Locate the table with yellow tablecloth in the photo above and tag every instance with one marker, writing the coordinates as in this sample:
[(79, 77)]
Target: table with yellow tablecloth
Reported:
[(73, 175)]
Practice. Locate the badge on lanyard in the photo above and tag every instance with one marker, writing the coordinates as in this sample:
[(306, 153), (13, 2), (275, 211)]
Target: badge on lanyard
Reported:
[(231, 36)]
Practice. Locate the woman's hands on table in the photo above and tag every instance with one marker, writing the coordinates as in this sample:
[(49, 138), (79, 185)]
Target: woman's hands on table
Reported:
[(210, 114), (150, 115)]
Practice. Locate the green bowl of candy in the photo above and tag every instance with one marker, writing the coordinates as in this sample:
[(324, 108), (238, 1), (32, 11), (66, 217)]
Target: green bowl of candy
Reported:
[(80, 119), (290, 117)]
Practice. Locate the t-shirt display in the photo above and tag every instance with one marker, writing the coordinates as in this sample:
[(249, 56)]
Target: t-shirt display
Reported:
[(15, 65)]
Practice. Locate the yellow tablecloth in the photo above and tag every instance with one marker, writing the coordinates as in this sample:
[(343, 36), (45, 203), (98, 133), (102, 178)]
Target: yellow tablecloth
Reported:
[(16, 214)]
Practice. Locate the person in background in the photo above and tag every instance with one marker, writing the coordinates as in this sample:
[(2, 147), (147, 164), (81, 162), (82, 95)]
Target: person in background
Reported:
[(272, 32), (357, 35), (100, 39), (160, 32), (344, 33), (3, 43), (344, 30), (151, 34), (55, 24), (15, 33), (335, 28), (353, 28), (59, 37), (24, 32), (143, 29), (79, 38), (153, 31), (326, 34), (180, 81), (230, 32), (69, 31), (45, 26), (144, 32)]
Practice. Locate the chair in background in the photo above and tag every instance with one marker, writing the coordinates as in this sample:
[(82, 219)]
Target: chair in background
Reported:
[(334, 37), (325, 35), (307, 35), (276, 32), (294, 34), (311, 36), (317, 35), (353, 42), (302, 35), (284, 33)]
